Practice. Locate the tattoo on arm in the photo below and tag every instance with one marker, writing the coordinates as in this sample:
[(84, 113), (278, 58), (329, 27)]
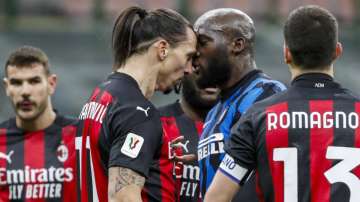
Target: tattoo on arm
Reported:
[(120, 177)]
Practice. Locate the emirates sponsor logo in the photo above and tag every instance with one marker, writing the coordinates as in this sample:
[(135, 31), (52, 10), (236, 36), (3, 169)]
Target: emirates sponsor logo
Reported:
[(39, 183)]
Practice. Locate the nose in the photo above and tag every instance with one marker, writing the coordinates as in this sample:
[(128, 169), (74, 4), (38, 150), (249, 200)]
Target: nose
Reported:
[(188, 68), (25, 89)]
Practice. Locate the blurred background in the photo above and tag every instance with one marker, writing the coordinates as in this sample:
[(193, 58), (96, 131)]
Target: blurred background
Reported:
[(76, 36)]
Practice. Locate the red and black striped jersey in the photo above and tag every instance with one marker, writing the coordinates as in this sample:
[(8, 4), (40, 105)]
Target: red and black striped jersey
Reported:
[(304, 143), (181, 179), (38, 166), (119, 127)]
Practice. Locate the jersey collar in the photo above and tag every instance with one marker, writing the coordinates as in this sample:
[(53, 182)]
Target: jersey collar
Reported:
[(226, 93), (315, 80)]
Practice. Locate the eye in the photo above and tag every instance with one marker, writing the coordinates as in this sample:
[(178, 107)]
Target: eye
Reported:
[(202, 41), (15, 82), (35, 80)]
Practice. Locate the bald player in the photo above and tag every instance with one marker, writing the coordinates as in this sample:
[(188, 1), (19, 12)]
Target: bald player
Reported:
[(226, 60)]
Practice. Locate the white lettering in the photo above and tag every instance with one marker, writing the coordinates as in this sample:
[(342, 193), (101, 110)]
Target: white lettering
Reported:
[(305, 120)]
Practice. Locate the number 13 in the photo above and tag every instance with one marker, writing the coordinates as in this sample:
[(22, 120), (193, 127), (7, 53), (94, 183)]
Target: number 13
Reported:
[(341, 172)]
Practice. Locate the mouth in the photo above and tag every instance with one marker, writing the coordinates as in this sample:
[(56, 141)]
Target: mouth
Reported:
[(25, 105), (211, 90)]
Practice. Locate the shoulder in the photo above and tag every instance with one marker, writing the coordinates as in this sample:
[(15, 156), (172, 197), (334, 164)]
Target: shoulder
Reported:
[(8, 124), (66, 120), (170, 110)]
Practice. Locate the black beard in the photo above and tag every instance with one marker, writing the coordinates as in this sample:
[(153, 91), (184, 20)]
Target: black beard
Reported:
[(218, 71), (192, 97)]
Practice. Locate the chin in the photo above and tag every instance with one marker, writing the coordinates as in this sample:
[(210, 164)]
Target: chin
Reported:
[(27, 116)]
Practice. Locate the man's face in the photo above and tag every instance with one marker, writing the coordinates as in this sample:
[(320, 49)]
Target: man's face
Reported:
[(212, 63), (199, 98), (178, 62), (29, 90)]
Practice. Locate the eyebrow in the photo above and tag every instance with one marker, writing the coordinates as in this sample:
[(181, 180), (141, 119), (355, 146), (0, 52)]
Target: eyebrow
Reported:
[(31, 78), (190, 54)]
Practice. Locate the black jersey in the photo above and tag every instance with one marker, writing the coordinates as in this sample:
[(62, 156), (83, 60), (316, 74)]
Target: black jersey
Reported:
[(119, 128), (183, 179), (40, 165), (303, 143)]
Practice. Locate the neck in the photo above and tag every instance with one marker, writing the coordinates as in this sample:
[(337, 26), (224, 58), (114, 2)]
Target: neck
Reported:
[(191, 112), (139, 67), (240, 72), (297, 71), (40, 123)]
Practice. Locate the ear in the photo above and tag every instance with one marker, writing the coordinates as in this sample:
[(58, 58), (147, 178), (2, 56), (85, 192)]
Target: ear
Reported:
[(338, 50), (238, 45), (287, 54), (162, 49), (6, 84), (52, 80)]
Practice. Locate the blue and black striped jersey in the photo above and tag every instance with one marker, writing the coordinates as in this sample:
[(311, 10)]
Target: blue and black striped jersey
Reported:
[(253, 87)]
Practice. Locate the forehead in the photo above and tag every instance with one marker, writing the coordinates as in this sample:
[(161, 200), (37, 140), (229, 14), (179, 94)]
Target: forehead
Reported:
[(190, 42), (23, 72)]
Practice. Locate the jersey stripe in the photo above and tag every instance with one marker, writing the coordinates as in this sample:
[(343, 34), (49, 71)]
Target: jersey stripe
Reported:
[(68, 138), (357, 139), (276, 138), (259, 191), (4, 190), (101, 180), (84, 159), (34, 153), (171, 131), (320, 139)]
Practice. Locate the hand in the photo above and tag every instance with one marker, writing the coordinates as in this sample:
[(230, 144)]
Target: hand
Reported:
[(177, 143)]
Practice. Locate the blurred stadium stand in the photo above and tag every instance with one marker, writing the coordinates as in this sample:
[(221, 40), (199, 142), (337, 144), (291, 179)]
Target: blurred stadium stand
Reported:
[(76, 36)]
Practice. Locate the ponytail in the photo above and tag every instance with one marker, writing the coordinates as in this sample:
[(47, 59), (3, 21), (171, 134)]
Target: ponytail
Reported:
[(135, 28)]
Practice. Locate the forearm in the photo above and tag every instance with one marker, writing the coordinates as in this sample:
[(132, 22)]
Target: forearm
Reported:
[(222, 189), (124, 185)]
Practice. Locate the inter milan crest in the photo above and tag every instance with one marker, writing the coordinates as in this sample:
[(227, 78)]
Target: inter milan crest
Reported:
[(62, 153)]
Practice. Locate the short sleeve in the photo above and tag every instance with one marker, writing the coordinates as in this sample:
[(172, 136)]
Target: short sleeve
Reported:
[(240, 158), (135, 138), (241, 144)]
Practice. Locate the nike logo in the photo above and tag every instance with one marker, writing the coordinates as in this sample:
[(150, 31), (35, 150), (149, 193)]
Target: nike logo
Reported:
[(144, 110)]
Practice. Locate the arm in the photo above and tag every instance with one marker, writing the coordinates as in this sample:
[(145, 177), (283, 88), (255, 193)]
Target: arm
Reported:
[(124, 185), (222, 189)]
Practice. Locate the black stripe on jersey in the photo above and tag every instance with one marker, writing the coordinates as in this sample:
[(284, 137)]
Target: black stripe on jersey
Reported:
[(89, 177), (300, 138), (187, 128), (52, 142), (343, 137), (18, 149)]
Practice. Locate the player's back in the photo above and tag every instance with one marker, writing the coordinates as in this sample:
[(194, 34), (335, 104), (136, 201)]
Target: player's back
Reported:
[(115, 107), (307, 142)]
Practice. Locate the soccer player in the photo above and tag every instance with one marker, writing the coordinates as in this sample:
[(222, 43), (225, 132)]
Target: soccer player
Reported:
[(183, 121), (121, 129), (226, 60), (37, 150), (303, 143)]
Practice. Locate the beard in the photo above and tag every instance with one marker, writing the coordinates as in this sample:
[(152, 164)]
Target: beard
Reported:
[(218, 71), (192, 96)]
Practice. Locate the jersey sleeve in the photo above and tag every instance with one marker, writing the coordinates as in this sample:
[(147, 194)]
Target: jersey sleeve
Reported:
[(134, 138), (240, 157)]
